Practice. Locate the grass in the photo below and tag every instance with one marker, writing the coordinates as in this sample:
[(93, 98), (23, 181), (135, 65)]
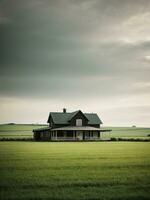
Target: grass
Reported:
[(127, 132), (18, 130), (61, 171), (25, 131)]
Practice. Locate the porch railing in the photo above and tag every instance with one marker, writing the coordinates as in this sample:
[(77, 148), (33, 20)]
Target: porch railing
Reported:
[(74, 139)]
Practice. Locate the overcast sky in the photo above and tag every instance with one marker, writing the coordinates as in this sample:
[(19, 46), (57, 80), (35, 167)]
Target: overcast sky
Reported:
[(92, 55)]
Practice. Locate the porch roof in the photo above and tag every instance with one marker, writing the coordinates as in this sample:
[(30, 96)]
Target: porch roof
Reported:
[(72, 128), (42, 129), (76, 128)]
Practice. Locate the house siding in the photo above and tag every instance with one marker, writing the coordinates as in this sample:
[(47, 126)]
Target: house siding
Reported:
[(60, 125), (95, 125)]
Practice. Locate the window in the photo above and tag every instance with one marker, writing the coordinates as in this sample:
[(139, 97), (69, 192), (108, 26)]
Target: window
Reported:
[(78, 122)]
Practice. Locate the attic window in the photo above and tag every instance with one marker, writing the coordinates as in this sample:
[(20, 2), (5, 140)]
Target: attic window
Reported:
[(78, 122)]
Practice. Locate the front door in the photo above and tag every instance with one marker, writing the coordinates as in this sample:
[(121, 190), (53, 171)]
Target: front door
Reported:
[(79, 135)]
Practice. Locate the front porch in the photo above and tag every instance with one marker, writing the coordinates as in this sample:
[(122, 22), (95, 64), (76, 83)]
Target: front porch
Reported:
[(74, 135), (69, 133)]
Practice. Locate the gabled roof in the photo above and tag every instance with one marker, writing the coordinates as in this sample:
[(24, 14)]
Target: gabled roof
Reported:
[(73, 114), (64, 118)]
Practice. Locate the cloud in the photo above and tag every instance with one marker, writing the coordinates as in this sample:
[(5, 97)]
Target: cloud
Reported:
[(71, 51), (147, 59), (4, 20)]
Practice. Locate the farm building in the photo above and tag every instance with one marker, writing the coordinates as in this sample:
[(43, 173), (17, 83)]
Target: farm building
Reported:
[(70, 126)]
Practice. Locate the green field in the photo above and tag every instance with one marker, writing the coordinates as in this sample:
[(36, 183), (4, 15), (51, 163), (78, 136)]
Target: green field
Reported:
[(18, 130), (61, 171), (127, 132), (25, 131)]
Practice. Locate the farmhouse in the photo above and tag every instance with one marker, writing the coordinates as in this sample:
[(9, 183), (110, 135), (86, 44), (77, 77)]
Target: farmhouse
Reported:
[(70, 126)]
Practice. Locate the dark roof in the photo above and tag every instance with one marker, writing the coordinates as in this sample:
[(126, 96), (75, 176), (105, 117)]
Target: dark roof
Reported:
[(63, 118), (74, 113), (93, 118), (71, 115), (60, 118)]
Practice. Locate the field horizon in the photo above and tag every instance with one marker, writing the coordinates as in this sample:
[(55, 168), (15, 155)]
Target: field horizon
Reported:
[(102, 126)]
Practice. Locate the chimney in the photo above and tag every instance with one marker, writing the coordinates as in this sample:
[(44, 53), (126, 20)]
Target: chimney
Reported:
[(64, 110)]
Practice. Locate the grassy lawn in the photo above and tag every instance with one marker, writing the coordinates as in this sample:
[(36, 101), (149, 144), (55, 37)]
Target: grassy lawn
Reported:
[(75, 170)]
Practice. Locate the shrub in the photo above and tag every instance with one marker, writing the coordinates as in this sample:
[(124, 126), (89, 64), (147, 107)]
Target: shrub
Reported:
[(148, 135), (113, 139), (131, 139), (16, 139)]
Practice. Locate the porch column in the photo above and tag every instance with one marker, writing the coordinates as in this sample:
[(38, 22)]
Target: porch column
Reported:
[(99, 134), (90, 134), (74, 135), (56, 135), (83, 135), (49, 135)]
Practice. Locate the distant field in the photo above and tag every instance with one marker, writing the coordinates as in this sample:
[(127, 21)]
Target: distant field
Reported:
[(25, 131), (127, 132), (74, 171), (18, 130)]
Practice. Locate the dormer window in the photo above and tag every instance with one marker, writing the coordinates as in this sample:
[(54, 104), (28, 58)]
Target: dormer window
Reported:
[(78, 122)]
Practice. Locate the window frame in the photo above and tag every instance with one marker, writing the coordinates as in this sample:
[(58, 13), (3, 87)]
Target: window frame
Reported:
[(79, 122)]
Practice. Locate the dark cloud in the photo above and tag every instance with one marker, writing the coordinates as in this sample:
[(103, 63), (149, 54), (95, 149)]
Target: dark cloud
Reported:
[(58, 49)]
